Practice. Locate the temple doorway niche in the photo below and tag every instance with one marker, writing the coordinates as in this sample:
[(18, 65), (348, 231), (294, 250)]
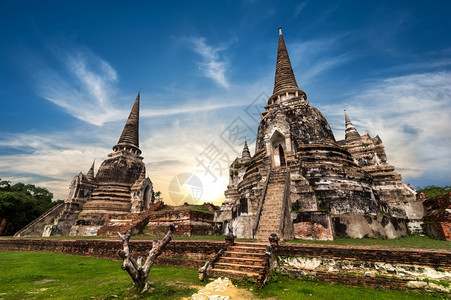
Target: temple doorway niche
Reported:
[(147, 197), (278, 150), (281, 156)]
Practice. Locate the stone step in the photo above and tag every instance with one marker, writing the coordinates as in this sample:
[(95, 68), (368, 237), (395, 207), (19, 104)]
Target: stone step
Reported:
[(268, 225), (279, 181), (239, 267), (241, 260), (111, 191), (273, 211), (247, 249), (234, 274), (270, 215), (269, 203), (252, 244), (274, 193), (115, 195), (110, 199), (244, 254), (266, 233), (272, 226)]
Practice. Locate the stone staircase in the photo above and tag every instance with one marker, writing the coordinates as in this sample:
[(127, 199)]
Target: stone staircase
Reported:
[(242, 260), (271, 214), (112, 197)]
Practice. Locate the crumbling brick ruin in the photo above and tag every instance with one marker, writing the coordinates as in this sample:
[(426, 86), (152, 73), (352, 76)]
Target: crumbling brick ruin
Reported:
[(119, 189), (437, 219), (302, 183)]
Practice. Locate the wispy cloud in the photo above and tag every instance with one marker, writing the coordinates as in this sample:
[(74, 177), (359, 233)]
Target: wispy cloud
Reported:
[(188, 109), (299, 8), (315, 57), (411, 115), (83, 84), (211, 65)]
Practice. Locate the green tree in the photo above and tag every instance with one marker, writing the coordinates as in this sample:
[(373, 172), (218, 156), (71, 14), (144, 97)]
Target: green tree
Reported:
[(20, 204), (433, 190)]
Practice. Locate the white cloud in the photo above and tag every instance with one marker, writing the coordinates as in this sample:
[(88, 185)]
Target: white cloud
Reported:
[(189, 109), (211, 65), (299, 8), (411, 115), (51, 160), (84, 85)]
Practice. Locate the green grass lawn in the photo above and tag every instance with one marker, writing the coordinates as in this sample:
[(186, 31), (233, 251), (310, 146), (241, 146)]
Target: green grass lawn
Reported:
[(43, 275)]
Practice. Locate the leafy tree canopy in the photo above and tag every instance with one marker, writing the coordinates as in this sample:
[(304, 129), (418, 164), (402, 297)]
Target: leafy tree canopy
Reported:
[(433, 190), (20, 204)]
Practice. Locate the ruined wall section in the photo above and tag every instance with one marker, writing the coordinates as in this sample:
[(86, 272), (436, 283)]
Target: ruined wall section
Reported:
[(369, 154), (186, 222), (437, 220)]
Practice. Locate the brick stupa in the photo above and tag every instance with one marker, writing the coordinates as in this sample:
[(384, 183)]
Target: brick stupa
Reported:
[(120, 188), (302, 183)]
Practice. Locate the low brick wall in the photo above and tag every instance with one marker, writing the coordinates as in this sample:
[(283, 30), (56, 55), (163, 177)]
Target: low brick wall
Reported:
[(202, 250), (191, 254), (374, 282), (432, 258)]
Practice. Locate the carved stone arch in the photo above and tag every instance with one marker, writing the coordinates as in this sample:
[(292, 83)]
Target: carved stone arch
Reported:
[(278, 149), (147, 197), (279, 127), (142, 195)]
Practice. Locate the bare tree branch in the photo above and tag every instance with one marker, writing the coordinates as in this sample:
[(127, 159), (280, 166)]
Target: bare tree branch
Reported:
[(137, 271)]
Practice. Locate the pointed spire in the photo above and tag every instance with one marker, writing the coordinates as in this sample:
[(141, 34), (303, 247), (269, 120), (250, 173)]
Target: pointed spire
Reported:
[(350, 131), (284, 78), (246, 155), (130, 134), (90, 174)]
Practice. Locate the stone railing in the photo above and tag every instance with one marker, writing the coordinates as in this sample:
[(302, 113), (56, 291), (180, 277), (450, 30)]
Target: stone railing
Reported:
[(285, 221), (55, 208)]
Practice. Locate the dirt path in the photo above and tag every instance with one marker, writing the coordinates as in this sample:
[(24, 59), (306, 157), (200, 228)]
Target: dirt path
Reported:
[(222, 289)]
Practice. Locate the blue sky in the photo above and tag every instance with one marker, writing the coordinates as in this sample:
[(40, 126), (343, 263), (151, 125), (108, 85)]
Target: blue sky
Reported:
[(70, 71)]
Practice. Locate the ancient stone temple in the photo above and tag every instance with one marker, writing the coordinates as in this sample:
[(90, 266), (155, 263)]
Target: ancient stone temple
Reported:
[(119, 188), (302, 183)]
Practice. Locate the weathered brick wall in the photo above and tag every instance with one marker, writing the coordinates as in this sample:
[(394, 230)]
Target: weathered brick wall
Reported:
[(190, 254), (437, 220), (203, 250), (432, 258), (380, 282), (186, 222)]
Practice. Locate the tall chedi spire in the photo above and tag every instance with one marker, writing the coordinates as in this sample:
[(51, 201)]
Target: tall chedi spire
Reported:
[(285, 85), (350, 131), (246, 155), (90, 174), (130, 135), (284, 78)]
